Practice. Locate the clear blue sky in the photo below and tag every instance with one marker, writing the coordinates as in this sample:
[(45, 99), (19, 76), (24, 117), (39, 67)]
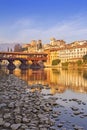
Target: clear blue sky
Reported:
[(25, 20)]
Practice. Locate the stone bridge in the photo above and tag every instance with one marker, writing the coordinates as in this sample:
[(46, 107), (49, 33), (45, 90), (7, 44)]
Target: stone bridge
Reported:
[(23, 58)]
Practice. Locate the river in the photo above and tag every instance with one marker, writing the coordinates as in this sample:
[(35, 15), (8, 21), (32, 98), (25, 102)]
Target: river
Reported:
[(68, 86)]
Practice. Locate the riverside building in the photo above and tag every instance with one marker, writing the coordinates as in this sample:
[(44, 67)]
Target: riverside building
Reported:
[(58, 49), (72, 53), (68, 53)]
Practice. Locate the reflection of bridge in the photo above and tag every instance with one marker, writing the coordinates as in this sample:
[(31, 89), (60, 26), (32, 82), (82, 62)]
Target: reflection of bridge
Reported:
[(23, 58)]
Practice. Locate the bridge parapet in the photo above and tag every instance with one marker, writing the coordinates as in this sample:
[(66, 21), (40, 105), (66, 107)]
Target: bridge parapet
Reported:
[(28, 56)]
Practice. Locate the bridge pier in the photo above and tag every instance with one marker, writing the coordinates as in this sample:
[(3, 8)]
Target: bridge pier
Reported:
[(24, 64), (11, 66), (35, 65)]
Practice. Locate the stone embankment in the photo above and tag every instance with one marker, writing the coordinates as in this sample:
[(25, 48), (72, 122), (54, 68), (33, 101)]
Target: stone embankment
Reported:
[(23, 110)]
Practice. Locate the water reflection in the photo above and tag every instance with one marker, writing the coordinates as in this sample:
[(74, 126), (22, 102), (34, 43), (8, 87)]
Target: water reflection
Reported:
[(59, 80), (32, 76), (85, 74)]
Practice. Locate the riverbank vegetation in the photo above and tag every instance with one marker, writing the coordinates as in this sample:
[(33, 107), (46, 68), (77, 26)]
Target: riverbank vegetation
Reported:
[(80, 63), (56, 62)]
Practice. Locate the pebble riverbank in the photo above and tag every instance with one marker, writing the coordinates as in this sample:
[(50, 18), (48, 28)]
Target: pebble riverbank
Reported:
[(21, 109)]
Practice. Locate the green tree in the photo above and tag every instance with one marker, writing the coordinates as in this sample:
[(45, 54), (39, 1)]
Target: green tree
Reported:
[(79, 62), (65, 64), (56, 62), (85, 58)]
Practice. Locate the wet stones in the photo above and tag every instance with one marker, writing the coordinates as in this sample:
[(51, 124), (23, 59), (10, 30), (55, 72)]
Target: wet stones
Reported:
[(18, 119), (77, 101), (7, 124), (76, 127), (3, 105), (60, 125), (37, 86), (74, 108), (11, 105), (77, 113), (1, 121), (24, 110), (25, 120), (7, 115), (20, 109), (15, 126)]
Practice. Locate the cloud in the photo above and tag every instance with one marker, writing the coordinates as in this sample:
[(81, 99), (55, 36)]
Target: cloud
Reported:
[(25, 30)]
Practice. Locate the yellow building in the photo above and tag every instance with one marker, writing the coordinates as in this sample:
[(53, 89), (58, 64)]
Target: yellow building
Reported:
[(54, 54)]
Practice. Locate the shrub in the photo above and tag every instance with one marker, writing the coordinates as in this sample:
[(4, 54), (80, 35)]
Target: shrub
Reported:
[(56, 62), (79, 62), (65, 64), (85, 58)]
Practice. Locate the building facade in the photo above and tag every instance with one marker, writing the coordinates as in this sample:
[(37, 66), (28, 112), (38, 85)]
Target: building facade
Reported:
[(72, 54)]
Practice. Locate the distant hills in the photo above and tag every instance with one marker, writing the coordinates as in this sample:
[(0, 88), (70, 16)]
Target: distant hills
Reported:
[(5, 46)]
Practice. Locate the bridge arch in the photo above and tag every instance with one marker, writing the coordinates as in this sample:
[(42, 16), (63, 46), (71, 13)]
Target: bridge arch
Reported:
[(23, 58)]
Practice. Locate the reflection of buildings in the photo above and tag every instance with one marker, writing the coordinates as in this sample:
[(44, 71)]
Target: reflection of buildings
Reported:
[(67, 79), (58, 80), (32, 77)]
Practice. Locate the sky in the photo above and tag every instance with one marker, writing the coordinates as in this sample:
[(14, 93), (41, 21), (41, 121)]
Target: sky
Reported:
[(27, 20)]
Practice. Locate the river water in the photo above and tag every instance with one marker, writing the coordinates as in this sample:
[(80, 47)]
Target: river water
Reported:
[(70, 89)]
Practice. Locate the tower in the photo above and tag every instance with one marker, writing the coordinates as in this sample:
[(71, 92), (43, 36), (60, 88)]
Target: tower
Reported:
[(39, 44)]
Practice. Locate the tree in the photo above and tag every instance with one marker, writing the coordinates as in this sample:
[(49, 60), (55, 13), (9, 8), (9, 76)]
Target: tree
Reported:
[(56, 62), (17, 48), (85, 58), (65, 64), (39, 45), (79, 62)]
